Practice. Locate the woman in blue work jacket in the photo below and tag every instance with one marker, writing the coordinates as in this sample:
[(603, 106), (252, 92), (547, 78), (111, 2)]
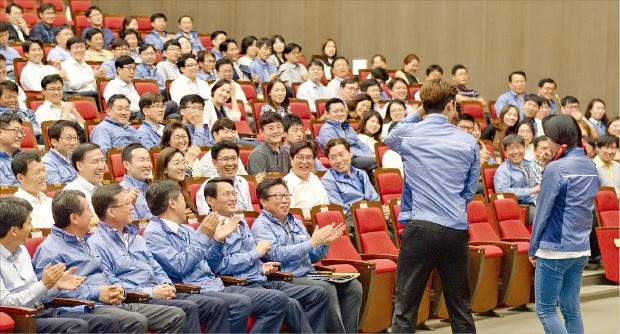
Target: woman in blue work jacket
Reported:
[(560, 243)]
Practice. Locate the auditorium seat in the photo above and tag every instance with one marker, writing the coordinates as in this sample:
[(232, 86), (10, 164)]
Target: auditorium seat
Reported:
[(320, 107), (205, 40), (475, 109), (81, 23), (256, 106), (606, 207), (54, 188), (492, 110), (144, 86), (86, 106), (522, 210), (380, 149), (505, 261), (193, 185), (30, 18), (487, 172), (608, 242), (27, 5), (414, 89), (244, 154), (249, 89), (115, 164), (509, 220), (252, 185), (377, 277), (79, 6), (34, 102), (113, 22), (8, 190), (301, 108), (489, 145), (101, 84), (389, 183), (89, 126), (18, 66), (7, 325), (364, 73), (394, 212), (29, 140)]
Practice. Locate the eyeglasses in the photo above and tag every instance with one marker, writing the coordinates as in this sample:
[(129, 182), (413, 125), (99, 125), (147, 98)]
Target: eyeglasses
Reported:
[(301, 158), (280, 197), (466, 128), (18, 131), (131, 68), (227, 159), (194, 108), (184, 138), (49, 13), (70, 138), (95, 15), (230, 194), (178, 164), (127, 203), (157, 106), (53, 90), (191, 65), (295, 53)]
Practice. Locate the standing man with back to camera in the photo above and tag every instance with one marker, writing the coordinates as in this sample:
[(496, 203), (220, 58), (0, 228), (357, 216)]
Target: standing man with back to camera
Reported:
[(441, 168)]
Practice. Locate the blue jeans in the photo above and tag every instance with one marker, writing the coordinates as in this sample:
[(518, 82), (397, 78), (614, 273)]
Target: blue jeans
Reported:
[(559, 281)]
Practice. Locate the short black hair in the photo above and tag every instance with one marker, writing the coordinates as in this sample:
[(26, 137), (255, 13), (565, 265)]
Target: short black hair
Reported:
[(91, 9), (48, 79), (116, 97), (380, 73), (263, 41), (607, 140), (8, 117), (118, 42), (158, 16), (8, 85), (534, 98), (29, 42), (300, 145), (211, 186), (145, 47), (80, 151), (75, 40), (14, 211), (224, 45), (267, 118), (458, 67), (4, 26), (347, 81), (291, 119), (13, 5), (223, 123), (217, 32), (262, 190), (568, 99), (394, 81), (465, 117), (223, 145), (65, 203), (222, 61), (512, 139), (542, 82), (539, 139), (189, 99), (172, 42), (183, 58), (19, 163), (184, 16), (92, 32), (516, 73), (127, 153), (434, 68), (149, 99), (160, 193), (563, 130), (55, 130), (103, 198), (315, 62), (332, 101), (247, 42), (62, 27), (369, 83), (123, 61), (289, 48)]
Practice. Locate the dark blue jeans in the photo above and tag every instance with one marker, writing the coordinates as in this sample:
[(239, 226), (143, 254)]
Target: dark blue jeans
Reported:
[(559, 281)]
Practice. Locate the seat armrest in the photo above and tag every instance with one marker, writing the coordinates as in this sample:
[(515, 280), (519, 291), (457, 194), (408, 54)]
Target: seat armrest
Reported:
[(187, 288), (137, 297), (370, 257), (230, 280), (246, 135), (319, 267), (28, 311), (355, 263), (60, 302), (494, 243), (515, 239), (281, 276)]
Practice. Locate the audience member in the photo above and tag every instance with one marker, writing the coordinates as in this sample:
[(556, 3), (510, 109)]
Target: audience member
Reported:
[(378, 61), (277, 57), (595, 114), (96, 48), (531, 106), (608, 169), (11, 137), (360, 105), (170, 240), (158, 36), (153, 108), (293, 133), (328, 54), (372, 87), (515, 175), (45, 30), (516, 94), (292, 71), (432, 72), (217, 37), (120, 48), (138, 166), (9, 103), (336, 125), (30, 172), (526, 130), (269, 156), (224, 71), (542, 156), (82, 77), (264, 70), (146, 69), (501, 127), (129, 263), (312, 89), (344, 183), (186, 26), (306, 306), (53, 108), (340, 67), (133, 44), (63, 139), (382, 76), (306, 188), (168, 68), (223, 130), (19, 30), (369, 129), (590, 146), (8, 52), (225, 157), (570, 106), (123, 85), (188, 82), (60, 51), (399, 91), (249, 50), (115, 130), (460, 77), (95, 17), (192, 109), (90, 163), (206, 63), (277, 99), (22, 288), (410, 67), (178, 135), (171, 165), (391, 159), (546, 90), (230, 49), (396, 111), (68, 243), (296, 250), (35, 70)]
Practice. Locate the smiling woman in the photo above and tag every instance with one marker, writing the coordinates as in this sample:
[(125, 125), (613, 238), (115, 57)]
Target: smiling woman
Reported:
[(171, 165)]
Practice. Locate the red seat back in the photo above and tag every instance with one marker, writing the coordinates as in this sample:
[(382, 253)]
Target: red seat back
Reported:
[(79, 6), (487, 178), (86, 106), (389, 183), (205, 40), (607, 207), (29, 140), (473, 108), (506, 209), (146, 86), (26, 4), (607, 237), (113, 22), (380, 150), (342, 248), (371, 228), (479, 227), (413, 89), (248, 89), (32, 244)]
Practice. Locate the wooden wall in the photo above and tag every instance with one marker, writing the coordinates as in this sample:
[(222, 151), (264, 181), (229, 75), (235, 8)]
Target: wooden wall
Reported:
[(573, 42)]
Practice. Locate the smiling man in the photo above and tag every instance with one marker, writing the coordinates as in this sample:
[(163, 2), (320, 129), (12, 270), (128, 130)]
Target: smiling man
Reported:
[(188, 83), (223, 130), (137, 163), (516, 94), (122, 84), (152, 128), (35, 70), (64, 139), (608, 169), (11, 137), (90, 163), (95, 18), (54, 109), (546, 90), (9, 103), (114, 130), (45, 30), (270, 156), (186, 26), (30, 172)]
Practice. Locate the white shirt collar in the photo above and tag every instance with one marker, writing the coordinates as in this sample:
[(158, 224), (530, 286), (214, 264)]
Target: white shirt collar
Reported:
[(28, 197), (172, 225)]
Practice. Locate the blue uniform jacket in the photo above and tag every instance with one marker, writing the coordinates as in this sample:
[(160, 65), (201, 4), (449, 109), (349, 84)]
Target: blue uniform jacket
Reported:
[(240, 256), (294, 252), (140, 208), (334, 129), (344, 190), (564, 214), (511, 179), (58, 169), (110, 134)]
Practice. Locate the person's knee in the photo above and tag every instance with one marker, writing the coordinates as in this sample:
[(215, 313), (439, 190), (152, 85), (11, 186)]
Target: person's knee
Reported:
[(241, 304), (179, 316), (80, 326), (138, 321)]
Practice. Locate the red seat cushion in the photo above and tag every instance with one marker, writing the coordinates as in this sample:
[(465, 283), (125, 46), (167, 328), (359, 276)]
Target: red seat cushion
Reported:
[(482, 232), (522, 247), (492, 251), (513, 228), (7, 325), (384, 266), (609, 252), (344, 268)]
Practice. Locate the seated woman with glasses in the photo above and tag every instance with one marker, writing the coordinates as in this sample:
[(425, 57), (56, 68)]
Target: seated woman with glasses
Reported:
[(177, 135), (172, 165)]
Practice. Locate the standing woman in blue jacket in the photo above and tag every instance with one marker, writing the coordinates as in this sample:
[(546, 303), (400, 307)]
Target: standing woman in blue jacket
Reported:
[(560, 244)]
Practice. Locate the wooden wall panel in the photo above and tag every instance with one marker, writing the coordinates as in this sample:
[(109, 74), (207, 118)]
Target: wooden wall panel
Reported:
[(573, 42)]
